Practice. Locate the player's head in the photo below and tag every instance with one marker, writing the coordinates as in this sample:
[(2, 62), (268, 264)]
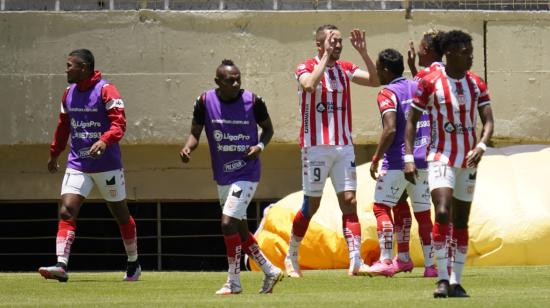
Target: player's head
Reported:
[(228, 79), (457, 47), (80, 65), (321, 35), (389, 65), (429, 49)]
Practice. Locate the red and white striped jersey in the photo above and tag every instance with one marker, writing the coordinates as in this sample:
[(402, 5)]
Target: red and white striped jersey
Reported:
[(453, 106), (436, 66), (326, 112)]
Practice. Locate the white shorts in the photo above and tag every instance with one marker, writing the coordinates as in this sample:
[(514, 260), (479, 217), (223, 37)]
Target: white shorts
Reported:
[(236, 197), (111, 184), (319, 162), (461, 180), (391, 184)]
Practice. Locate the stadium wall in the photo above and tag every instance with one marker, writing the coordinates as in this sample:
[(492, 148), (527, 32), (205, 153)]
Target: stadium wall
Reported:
[(162, 60)]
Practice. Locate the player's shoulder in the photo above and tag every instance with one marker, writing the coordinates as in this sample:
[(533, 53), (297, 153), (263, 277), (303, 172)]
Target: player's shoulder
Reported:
[(475, 77), (385, 92), (309, 63), (346, 65)]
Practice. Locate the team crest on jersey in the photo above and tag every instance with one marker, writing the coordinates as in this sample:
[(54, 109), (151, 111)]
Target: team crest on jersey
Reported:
[(461, 98), (321, 107), (449, 127), (333, 84)]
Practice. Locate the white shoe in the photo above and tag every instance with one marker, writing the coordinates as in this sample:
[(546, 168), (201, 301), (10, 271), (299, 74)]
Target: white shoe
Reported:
[(229, 288), (292, 267), (270, 280), (54, 272), (358, 268)]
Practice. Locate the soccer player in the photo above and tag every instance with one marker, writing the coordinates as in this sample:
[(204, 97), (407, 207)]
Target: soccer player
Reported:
[(429, 54), (392, 189), (431, 58), (325, 138), (92, 115), (230, 116), (453, 97)]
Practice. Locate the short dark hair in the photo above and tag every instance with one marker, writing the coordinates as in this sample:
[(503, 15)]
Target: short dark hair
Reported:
[(452, 38), (392, 60), (225, 62), (320, 33), (86, 56), (433, 38)]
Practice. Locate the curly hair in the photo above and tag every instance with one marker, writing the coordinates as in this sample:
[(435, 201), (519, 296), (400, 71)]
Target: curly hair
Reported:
[(432, 38), (452, 38), (392, 60)]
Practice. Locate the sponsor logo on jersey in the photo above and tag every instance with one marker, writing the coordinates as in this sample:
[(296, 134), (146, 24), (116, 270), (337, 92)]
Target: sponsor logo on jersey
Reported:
[(328, 107), (457, 128), (84, 124), (219, 136), (232, 148), (234, 165)]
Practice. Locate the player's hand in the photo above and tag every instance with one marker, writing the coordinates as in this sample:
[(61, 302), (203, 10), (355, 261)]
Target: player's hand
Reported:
[(374, 170), (411, 56), (98, 149), (185, 154), (53, 165), (411, 173), (358, 41), (330, 43), (474, 157), (252, 153)]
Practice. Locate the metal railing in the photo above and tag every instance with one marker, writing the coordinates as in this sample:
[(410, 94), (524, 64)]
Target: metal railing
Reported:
[(276, 5), (33, 237)]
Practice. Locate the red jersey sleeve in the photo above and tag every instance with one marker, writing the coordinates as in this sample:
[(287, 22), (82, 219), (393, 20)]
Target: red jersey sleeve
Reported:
[(484, 98), (386, 101), (349, 68), (115, 111), (422, 94), (302, 68), (63, 129)]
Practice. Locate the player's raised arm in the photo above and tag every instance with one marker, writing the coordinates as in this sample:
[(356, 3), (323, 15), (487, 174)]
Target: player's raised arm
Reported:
[(327, 45), (369, 77)]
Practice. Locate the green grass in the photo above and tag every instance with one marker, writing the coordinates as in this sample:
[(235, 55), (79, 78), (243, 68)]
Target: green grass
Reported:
[(488, 286)]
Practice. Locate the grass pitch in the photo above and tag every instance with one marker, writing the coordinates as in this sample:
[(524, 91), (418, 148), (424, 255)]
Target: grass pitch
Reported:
[(488, 287)]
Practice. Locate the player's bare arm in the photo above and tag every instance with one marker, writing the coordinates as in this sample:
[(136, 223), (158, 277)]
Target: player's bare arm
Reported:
[(309, 82), (386, 139), (486, 116), (369, 77), (411, 59), (265, 136), (191, 143), (410, 133)]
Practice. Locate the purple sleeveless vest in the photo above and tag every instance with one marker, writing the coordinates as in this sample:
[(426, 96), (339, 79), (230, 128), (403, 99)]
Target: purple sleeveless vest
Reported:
[(89, 121), (231, 129), (393, 158)]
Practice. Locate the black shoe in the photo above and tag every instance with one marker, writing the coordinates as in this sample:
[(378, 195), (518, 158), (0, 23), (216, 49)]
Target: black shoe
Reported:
[(442, 289), (133, 271), (456, 290)]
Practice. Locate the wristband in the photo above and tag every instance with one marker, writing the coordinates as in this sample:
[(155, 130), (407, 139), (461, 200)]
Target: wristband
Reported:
[(482, 146), (408, 158), (261, 145)]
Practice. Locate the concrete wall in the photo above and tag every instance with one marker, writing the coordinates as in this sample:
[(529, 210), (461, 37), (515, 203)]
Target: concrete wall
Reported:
[(161, 61)]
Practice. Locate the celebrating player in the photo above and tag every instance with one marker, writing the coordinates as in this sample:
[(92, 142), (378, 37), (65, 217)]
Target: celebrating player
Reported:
[(392, 189), (429, 54), (325, 138), (453, 97), (92, 114), (230, 116)]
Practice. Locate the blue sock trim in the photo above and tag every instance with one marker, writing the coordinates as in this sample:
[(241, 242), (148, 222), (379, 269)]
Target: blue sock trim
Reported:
[(305, 207)]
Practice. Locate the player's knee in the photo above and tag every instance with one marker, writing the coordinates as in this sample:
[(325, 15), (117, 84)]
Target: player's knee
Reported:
[(442, 215), (65, 213), (229, 227), (350, 201)]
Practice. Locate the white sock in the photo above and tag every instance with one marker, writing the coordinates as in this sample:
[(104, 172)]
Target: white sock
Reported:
[(458, 264), (385, 238), (260, 259), (440, 251), (428, 251), (235, 266), (294, 245)]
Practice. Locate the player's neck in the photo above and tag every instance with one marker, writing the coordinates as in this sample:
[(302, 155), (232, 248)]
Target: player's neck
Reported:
[(454, 73)]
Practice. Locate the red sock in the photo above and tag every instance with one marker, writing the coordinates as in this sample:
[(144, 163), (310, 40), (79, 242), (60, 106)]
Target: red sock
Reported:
[(439, 234), (300, 224), (352, 233), (233, 251), (461, 237), (425, 226), (129, 237), (246, 245), (402, 225), (382, 214), (65, 238)]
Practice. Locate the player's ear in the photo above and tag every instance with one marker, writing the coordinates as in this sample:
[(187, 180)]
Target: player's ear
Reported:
[(217, 81)]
